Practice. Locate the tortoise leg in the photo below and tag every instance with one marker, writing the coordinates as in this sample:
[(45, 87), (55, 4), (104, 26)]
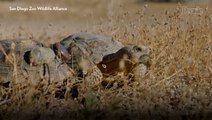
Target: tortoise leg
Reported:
[(46, 71), (94, 77), (139, 71)]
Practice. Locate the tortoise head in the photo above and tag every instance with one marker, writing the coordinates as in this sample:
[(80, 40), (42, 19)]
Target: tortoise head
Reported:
[(40, 55), (139, 54)]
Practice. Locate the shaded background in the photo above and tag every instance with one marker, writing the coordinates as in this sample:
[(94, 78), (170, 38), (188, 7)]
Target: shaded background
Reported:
[(81, 15)]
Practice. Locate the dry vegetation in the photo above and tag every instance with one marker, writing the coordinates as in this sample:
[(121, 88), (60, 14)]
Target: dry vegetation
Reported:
[(178, 85)]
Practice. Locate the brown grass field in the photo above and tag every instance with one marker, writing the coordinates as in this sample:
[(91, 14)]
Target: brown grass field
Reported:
[(177, 86)]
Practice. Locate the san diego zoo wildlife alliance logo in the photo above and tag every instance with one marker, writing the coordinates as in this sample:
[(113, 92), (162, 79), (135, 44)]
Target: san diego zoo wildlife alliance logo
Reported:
[(38, 8), (194, 11)]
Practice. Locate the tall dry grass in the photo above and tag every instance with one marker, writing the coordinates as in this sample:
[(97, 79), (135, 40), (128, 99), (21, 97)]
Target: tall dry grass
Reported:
[(177, 86)]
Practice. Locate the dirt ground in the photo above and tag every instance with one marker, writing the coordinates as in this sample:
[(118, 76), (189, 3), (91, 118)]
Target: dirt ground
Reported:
[(178, 85), (81, 15)]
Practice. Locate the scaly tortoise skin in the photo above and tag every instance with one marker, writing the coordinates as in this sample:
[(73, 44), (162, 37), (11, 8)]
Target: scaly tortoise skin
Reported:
[(84, 55), (9, 48), (104, 55), (126, 60), (33, 60)]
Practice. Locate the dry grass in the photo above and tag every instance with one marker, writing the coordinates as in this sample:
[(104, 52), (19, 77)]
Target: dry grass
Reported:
[(177, 86)]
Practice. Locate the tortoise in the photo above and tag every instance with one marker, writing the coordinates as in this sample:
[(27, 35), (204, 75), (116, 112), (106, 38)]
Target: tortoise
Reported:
[(103, 56), (30, 59)]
